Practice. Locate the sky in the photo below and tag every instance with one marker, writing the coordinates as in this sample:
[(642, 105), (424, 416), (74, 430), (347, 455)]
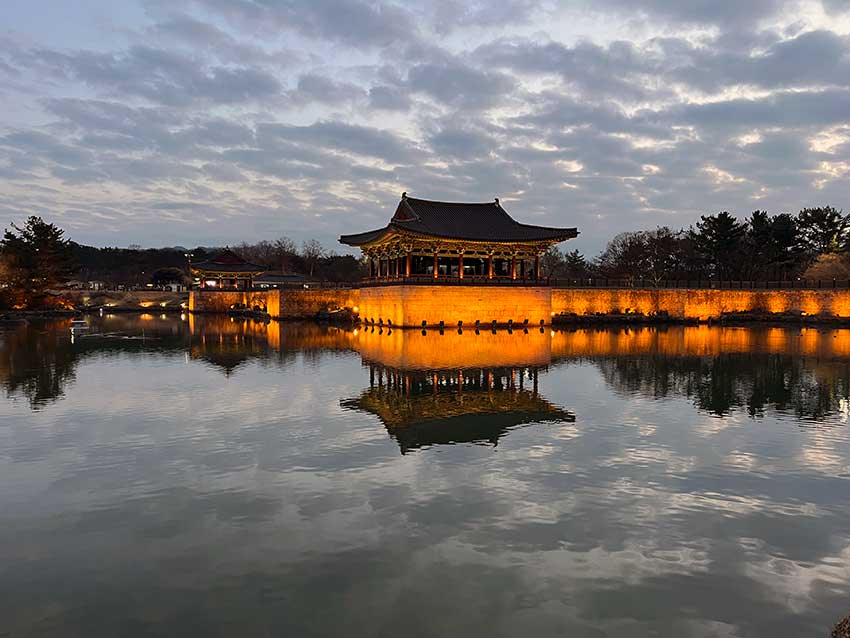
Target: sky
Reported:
[(212, 122)]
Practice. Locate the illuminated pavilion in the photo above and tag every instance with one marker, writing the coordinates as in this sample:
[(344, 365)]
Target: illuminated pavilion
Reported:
[(226, 271), (448, 241)]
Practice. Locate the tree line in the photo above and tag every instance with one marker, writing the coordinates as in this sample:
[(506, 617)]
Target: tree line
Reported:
[(812, 244), (36, 257)]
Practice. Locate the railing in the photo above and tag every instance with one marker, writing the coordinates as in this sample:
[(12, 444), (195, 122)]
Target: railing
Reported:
[(479, 280), (308, 285), (706, 284), (468, 280)]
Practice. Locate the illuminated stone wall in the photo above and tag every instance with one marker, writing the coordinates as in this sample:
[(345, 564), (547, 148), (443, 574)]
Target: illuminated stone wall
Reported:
[(700, 304), (411, 305), (299, 303), (200, 301), (281, 304)]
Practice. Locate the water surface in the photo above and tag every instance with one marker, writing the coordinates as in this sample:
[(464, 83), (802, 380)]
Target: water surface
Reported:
[(198, 476)]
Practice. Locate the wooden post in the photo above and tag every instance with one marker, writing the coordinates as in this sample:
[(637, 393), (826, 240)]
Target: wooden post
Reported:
[(537, 267), (489, 265), (513, 266), (408, 264), (436, 267), (460, 265)]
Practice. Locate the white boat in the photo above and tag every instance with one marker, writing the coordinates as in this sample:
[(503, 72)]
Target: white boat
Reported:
[(78, 325)]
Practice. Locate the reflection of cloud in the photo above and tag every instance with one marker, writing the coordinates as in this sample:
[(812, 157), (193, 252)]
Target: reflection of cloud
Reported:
[(259, 487)]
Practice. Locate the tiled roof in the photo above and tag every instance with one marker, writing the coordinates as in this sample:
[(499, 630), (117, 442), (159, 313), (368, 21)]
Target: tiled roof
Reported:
[(480, 222), (227, 261)]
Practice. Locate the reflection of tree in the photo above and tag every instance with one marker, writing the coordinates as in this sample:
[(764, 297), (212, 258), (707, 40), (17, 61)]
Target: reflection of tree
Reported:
[(725, 383), (37, 364), (38, 360)]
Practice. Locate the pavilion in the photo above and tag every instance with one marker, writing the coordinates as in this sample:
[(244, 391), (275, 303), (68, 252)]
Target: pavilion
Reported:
[(226, 271), (442, 242)]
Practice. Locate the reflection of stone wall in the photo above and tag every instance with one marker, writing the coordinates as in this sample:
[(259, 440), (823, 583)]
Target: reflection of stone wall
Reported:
[(411, 350), (701, 341), (411, 305), (700, 304)]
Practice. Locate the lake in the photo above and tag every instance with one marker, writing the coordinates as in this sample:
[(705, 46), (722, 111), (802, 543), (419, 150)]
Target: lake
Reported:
[(165, 476)]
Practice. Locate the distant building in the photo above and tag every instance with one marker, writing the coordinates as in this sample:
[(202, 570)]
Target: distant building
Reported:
[(226, 271), (454, 241)]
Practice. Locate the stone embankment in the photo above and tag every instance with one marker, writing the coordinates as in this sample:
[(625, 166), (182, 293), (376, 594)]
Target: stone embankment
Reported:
[(415, 306), (126, 301)]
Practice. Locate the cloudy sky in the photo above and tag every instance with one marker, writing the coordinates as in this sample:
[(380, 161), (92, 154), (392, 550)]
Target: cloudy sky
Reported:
[(166, 122)]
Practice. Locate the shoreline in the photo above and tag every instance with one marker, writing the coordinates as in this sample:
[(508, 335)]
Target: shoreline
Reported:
[(558, 321)]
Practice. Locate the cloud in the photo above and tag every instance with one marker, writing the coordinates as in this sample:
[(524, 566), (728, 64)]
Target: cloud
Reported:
[(726, 14), (317, 88), (159, 76), (389, 98), (457, 84), (312, 117), (356, 23)]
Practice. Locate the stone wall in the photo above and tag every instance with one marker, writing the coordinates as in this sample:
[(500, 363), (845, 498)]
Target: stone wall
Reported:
[(700, 304), (409, 306), (295, 303), (218, 301), (124, 300), (301, 303)]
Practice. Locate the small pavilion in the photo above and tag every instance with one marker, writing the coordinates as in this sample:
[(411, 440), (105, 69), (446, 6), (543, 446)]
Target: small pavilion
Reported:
[(451, 241), (226, 271)]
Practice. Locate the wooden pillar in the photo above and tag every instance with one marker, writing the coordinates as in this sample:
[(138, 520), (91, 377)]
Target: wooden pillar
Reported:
[(408, 264), (436, 266), (513, 266), (522, 268), (537, 266), (489, 265), (460, 265)]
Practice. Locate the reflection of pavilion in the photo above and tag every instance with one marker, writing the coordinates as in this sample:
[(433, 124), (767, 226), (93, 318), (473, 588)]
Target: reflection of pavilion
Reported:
[(421, 408), (227, 342)]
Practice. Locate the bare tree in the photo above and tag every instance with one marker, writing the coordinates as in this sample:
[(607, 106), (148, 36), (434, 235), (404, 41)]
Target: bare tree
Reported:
[(312, 252)]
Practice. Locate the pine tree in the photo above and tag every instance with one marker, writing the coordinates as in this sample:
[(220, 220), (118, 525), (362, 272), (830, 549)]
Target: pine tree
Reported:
[(37, 257)]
